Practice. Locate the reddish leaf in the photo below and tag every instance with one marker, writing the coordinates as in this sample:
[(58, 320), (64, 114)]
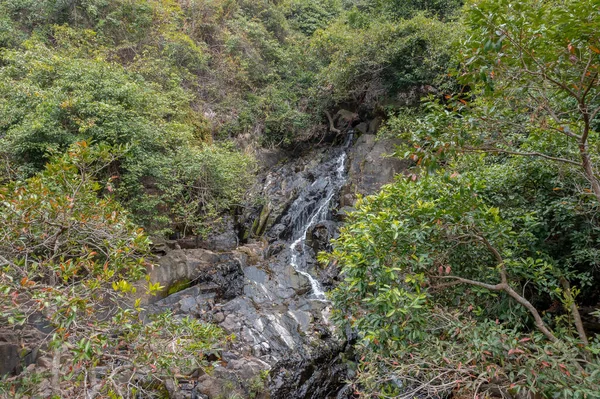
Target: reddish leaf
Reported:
[(516, 350), (564, 369)]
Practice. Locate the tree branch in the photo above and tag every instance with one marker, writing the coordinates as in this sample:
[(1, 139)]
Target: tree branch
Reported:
[(574, 310), (331, 125), (513, 294), (505, 287), (533, 154), (491, 287)]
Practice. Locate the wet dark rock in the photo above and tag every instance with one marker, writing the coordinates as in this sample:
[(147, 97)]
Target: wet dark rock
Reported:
[(320, 377), (341, 214), (264, 291), (254, 291), (275, 248), (374, 125), (10, 361), (19, 349), (330, 276), (223, 272), (362, 128), (320, 235), (276, 190), (277, 232), (345, 393)]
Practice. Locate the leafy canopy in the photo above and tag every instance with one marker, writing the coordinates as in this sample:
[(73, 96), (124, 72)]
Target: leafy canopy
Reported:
[(472, 275), (443, 286)]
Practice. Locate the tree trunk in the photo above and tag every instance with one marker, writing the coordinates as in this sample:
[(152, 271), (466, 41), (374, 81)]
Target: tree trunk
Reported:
[(55, 379), (589, 170), (574, 311)]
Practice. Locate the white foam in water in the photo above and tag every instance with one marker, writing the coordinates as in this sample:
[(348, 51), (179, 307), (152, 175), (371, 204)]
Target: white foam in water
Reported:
[(297, 248)]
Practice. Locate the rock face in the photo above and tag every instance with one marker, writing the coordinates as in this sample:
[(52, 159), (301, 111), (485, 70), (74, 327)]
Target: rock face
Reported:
[(315, 379), (277, 325), (371, 167), (263, 291), (268, 290), (220, 273), (10, 361), (19, 348)]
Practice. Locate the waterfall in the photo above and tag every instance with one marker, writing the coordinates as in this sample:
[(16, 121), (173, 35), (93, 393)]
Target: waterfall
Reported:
[(308, 214)]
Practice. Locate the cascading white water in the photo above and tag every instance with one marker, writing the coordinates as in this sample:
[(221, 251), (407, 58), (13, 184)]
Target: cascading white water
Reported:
[(298, 247)]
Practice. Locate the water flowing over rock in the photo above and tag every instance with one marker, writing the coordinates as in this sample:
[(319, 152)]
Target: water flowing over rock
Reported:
[(310, 208), (266, 291), (270, 291)]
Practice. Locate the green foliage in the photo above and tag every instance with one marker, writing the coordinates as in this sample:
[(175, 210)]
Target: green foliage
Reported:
[(535, 67), (423, 261), (395, 9), (197, 186), (74, 259), (53, 97), (536, 98), (448, 275), (122, 22), (380, 57), (308, 16), (248, 67), (469, 276), (479, 358), (56, 218), (565, 228)]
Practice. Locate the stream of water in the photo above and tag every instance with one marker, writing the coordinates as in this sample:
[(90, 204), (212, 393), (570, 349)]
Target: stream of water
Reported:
[(324, 187)]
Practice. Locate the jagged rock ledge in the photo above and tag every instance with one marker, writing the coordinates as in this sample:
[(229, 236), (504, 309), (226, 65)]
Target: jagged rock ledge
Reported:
[(253, 291)]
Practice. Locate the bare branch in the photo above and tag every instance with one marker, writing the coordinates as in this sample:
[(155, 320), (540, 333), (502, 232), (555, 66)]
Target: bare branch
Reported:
[(331, 125), (574, 310), (491, 287), (505, 287)]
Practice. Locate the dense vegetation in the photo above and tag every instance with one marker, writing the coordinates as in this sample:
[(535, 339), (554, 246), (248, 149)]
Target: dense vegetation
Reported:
[(71, 263), (165, 79), (116, 114), (476, 274)]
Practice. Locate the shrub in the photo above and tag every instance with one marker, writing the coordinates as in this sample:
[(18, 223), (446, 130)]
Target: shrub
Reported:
[(51, 99), (308, 16), (447, 280), (381, 58), (73, 258)]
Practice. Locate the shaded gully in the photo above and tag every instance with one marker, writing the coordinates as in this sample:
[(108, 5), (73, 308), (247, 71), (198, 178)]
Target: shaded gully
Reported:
[(269, 291)]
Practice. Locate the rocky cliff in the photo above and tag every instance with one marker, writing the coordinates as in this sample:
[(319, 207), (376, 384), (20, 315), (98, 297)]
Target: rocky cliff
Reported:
[(260, 280)]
